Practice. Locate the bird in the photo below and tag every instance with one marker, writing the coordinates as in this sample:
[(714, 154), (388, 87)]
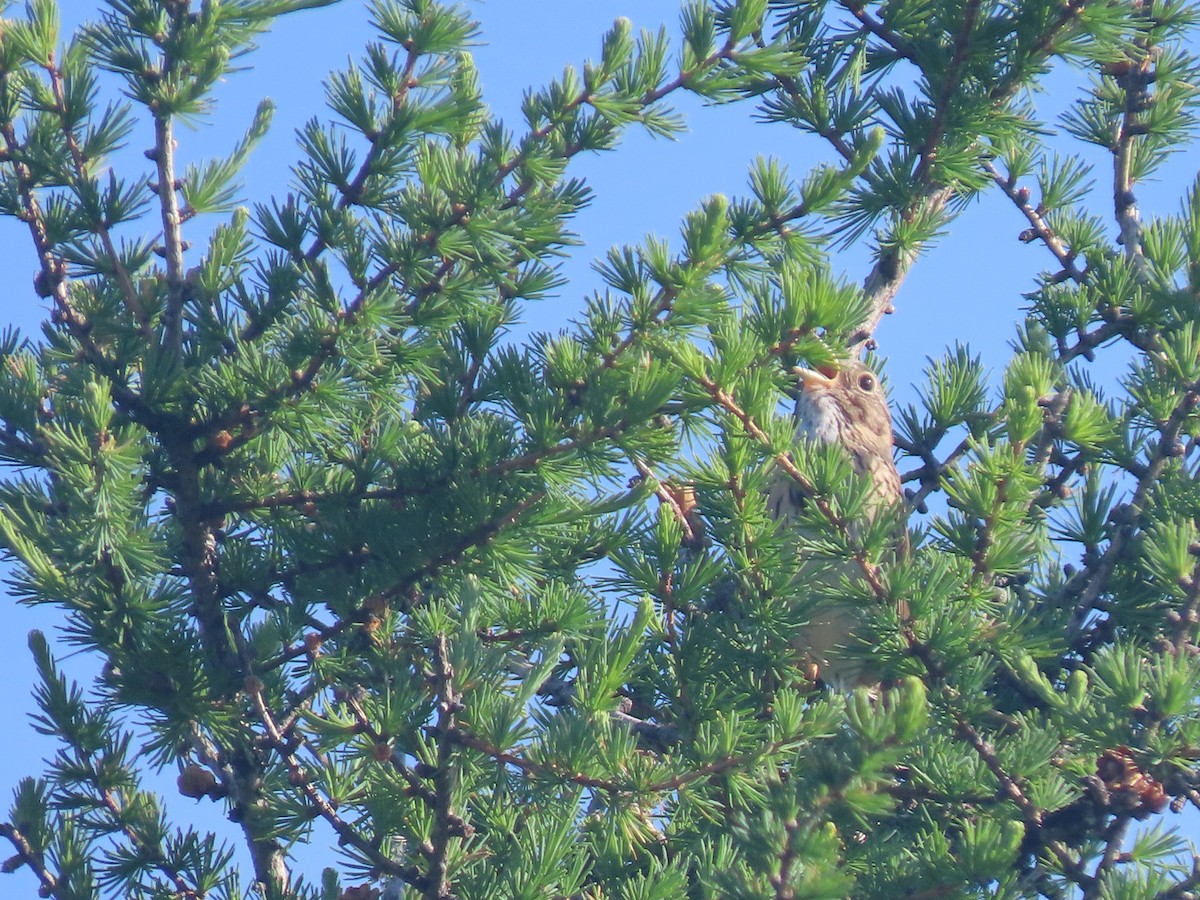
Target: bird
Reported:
[(842, 404)]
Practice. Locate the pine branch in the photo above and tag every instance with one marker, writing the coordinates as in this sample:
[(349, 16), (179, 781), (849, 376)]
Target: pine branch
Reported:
[(416, 786), (133, 302), (266, 493), (883, 282), (1184, 889), (1135, 76), (346, 832), (951, 85), (446, 825), (1114, 837), (669, 499), (1032, 816), (478, 537), (163, 156), (1039, 227), (29, 452), (352, 193), (895, 41), (1086, 586), (146, 847), (52, 282), (463, 212), (226, 660), (1183, 622)]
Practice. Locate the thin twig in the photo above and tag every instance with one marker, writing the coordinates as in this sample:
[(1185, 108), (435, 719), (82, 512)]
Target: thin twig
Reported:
[(30, 857), (1071, 867), (870, 24), (1136, 85), (1114, 837), (1038, 224), (128, 292), (163, 155), (346, 832), (1085, 587)]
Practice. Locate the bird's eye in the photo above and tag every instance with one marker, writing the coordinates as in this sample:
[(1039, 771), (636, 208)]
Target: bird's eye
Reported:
[(866, 382)]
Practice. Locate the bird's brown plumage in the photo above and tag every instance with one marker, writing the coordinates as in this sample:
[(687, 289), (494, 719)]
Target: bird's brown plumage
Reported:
[(844, 406)]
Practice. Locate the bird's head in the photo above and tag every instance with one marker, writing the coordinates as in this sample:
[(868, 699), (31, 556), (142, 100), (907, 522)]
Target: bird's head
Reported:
[(844, 403)]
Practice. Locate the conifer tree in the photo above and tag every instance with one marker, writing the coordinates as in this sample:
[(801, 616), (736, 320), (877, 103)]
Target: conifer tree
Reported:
[(509, 618)]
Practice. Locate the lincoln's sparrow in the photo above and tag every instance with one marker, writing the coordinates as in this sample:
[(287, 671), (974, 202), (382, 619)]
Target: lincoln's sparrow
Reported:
[(844, 405)]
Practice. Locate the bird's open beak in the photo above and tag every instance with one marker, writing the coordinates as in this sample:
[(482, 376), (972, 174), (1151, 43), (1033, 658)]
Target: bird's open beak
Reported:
[(819, 378)]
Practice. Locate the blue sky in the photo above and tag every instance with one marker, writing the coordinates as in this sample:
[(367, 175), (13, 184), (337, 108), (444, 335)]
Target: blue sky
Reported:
[(967, 288)]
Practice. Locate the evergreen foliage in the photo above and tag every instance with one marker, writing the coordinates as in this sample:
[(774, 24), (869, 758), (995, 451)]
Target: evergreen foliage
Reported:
[(510, 618)]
